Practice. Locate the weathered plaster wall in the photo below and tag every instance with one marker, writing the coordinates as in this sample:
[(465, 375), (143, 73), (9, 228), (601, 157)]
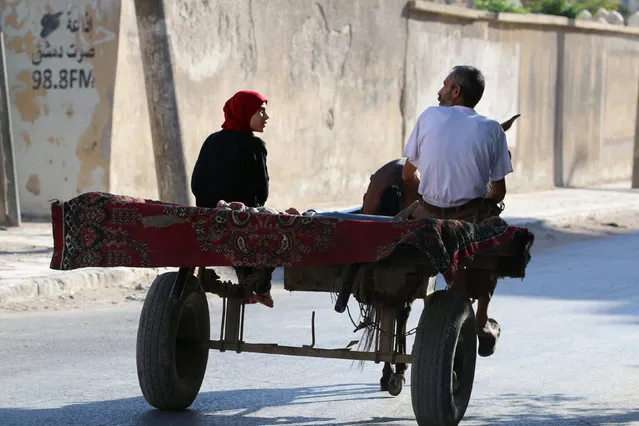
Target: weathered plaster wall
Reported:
[(333, 72), (61, 59), (600, 102), (132, 163), (533, 146)]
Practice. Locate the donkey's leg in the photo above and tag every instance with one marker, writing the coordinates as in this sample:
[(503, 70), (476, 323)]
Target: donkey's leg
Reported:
[(387, 372), (402, 321)]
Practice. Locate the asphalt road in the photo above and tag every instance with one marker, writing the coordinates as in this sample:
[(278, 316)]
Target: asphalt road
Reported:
[(569, 355)]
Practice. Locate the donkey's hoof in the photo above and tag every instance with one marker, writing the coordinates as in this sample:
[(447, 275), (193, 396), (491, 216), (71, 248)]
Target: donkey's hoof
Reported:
[(383, 384), (396, 383)]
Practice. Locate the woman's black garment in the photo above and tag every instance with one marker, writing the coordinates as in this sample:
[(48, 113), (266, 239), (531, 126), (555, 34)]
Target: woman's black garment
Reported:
[(231, 167)]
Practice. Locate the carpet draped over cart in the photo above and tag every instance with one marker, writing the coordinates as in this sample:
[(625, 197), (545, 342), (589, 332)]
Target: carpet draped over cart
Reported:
[(99, 229)]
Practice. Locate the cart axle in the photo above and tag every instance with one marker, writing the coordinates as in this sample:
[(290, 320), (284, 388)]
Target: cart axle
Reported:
[(275, 349)]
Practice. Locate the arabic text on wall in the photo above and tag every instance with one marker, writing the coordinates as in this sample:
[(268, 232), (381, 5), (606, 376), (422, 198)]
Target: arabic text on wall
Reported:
[(62, 77)]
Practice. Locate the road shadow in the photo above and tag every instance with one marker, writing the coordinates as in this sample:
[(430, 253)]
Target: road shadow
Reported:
[(46, 250), (577, 266), (234, 407), (603, 270), (552, 409), (239, 407)]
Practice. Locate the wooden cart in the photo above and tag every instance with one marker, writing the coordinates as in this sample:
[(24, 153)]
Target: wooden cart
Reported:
[(390, 265), (174, 334)]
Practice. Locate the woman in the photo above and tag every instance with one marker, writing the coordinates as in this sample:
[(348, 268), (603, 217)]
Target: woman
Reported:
[(231, 166)]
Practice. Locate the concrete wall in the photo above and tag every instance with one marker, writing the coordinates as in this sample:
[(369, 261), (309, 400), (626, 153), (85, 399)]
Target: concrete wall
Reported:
[(61, 61), (333, 73), (345, 80), (599, 98)]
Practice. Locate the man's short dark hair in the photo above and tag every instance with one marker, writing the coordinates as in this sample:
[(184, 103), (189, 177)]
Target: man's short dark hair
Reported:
[(471, 82)]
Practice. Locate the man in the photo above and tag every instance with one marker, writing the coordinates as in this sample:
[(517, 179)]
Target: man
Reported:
[(459, 160)]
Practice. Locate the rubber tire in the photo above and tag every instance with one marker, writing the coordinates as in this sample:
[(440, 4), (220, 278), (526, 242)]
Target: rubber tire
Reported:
[(447, 316), (171, 373)]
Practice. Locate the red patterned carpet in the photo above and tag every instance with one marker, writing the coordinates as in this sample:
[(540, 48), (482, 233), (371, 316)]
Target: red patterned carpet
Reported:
[(105, 230)]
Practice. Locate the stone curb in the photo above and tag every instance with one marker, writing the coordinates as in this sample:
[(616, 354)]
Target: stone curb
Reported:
[(20, 289)]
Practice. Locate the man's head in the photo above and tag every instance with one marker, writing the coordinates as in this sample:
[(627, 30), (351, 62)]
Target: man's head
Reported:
[(463, 86)]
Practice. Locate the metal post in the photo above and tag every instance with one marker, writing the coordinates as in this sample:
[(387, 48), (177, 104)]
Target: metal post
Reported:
[(635, 161), (162, 102), (9, 202)]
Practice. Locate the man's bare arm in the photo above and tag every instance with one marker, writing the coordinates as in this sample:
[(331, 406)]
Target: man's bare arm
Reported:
[(411, 178), (410, 174), (497, 190)]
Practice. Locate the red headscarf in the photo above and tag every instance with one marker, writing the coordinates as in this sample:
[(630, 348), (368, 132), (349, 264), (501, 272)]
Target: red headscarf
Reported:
[(240, 108)]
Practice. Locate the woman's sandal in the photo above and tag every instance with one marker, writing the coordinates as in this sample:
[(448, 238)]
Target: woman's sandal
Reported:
[(263, 298), (250, 300), (488, 341)]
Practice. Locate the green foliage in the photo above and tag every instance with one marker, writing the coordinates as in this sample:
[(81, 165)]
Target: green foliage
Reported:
[(558, 8), (568, 8), (499, 6)]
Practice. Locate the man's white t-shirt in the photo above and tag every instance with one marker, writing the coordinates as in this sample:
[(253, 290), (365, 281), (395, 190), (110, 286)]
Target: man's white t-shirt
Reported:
[(457, 152)]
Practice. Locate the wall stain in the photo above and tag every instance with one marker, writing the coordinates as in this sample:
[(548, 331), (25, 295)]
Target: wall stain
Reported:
[(27, 139), (68, 111), (33, 184), (28, 99), (11, 21)]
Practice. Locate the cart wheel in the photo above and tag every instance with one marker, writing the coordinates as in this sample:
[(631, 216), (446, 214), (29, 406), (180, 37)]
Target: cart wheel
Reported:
[(171, 359), (444, 356), (395, 384)]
